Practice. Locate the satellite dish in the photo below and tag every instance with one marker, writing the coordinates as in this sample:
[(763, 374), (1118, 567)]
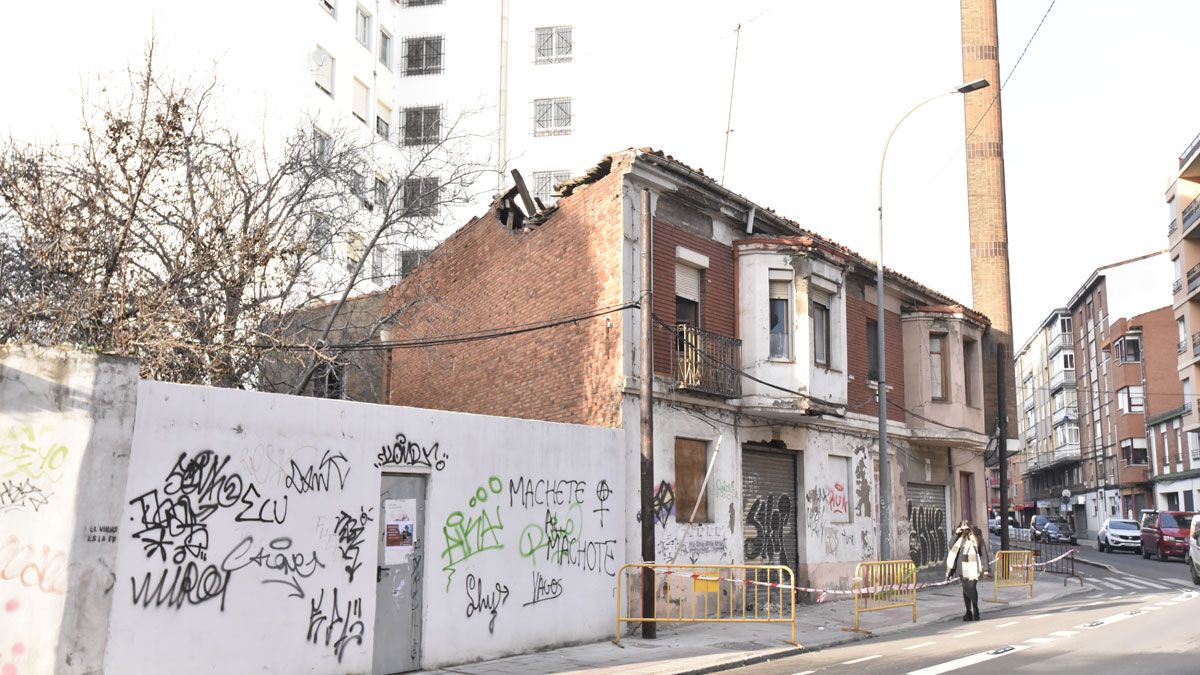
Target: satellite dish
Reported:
[(319, 58)]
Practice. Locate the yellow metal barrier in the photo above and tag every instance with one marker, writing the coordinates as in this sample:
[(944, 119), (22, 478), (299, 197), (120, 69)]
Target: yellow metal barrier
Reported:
[(1013, 569), (710, 594), (885, 584)]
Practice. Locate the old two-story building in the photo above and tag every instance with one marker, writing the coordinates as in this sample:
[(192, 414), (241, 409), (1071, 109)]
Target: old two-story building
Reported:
[(765, 362)]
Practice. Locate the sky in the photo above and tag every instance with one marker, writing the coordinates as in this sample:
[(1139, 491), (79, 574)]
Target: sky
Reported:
[(1095, 117)]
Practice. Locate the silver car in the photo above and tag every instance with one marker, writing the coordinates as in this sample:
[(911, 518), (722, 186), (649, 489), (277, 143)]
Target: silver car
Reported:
[(1119, 533)]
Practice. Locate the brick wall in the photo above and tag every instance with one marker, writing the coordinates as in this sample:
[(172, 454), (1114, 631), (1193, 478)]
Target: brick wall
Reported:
[(861, 399), (484, 277), (717, 309), (1160, 336)]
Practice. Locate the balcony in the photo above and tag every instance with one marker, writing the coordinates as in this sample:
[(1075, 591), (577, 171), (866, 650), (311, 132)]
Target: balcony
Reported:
[(1193, 279), (1177, 286), (1060, 341), (1067, 413), (1191, 150), (1195, 344), (706, 362), (1172, 227), (1191, 213), (1062, 378), (1182, 346)]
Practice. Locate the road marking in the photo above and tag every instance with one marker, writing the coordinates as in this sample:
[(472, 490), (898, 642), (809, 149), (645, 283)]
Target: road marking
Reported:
[(865, 658), (1092, 604), (1065, 633), (923, 644), (970, 632), (1039, 616), (1006, 625), (1138, 583), (964, 662), (1181, 582), (808, 672), (1164, 603), (1037, 640), (1152, 608)]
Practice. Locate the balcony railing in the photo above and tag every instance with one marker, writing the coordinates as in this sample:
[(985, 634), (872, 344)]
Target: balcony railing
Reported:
[(1177, 286), (1182, 347), (1191, 149), (1065, 413), (1062, 378), (1190, 213), (1193, 278), (1172, 227), (1195, 344), (1060, 341), (707, 362)]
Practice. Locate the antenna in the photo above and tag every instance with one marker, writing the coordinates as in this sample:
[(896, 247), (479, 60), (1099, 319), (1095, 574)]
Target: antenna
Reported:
[(319, 58), (732, 81)]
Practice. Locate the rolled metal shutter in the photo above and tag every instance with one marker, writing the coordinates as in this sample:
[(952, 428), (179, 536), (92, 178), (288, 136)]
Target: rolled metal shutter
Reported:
[(687, 282), (769, 507), (927, 543)]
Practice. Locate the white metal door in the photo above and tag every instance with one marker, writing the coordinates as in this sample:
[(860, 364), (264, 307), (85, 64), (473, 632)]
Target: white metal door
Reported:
[(398, 574)]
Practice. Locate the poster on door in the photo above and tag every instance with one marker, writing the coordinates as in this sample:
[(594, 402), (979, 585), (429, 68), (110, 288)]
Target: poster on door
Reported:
[(399, 530)]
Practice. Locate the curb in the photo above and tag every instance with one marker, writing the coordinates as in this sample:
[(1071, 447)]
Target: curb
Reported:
[(853, 637), (1104, 566)]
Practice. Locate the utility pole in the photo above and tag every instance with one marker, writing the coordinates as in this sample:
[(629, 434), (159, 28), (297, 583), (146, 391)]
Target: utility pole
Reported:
[(646, 405), (1002, 442)]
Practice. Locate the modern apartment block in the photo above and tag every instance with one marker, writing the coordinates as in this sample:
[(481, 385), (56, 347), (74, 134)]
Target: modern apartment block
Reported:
[(765, 362), (1178, 482), (1086, 381)]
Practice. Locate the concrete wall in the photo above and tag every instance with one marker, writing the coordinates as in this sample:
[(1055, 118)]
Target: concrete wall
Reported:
[(221, 479), (66, 420)]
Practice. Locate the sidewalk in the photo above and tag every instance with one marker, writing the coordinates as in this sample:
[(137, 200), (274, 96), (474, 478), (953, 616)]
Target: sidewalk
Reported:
[(705, 648)]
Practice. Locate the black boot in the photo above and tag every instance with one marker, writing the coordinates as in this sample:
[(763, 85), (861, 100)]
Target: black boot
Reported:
[(975, 614), (967, 616)]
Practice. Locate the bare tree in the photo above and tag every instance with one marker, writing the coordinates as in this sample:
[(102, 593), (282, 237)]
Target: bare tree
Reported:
[(166, 235)]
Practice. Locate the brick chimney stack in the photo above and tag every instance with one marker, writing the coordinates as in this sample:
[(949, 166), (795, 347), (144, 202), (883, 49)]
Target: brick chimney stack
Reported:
[(985, 196)]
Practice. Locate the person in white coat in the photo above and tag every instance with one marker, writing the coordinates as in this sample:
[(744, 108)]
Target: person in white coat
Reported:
[(968, 557)]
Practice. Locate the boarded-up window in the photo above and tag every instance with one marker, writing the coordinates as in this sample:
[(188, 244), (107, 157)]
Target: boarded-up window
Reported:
[(691, 461)]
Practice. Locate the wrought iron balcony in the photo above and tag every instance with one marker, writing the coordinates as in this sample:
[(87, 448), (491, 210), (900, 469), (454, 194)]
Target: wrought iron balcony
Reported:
[(1195, 344), (1182, 346), (1173, 226), (1193, 278), (706, 362), (1191, 150), (1177, 286)]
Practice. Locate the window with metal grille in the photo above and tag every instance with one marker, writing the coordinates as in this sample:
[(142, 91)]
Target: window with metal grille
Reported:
[(421, 196), (423, 55), (423, 125), (551, 116), (322, 146), (381, 192), (377, 257), (552, 44), (321, 236), (544, 182)]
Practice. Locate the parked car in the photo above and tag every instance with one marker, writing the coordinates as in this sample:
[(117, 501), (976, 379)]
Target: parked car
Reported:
[(994, 523), (1193, 554), (1051, 529), (1165, 533), (1119, 533)]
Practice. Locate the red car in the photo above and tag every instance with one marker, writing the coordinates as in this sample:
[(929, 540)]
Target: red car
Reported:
[(1165, 533)]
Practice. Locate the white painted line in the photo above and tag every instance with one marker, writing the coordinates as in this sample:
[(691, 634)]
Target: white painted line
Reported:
[(1164, 603), (1039, 640), (970, 632), (1090, 604), (865, 658), (1010, 623), (964, 662), (1065, 633), (923, 644), (808, 672), (1037, 616), (1124, 581), (1181, 582)]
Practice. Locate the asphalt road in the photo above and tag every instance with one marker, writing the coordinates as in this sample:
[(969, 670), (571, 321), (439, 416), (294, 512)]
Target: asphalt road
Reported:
[(1094, 632)]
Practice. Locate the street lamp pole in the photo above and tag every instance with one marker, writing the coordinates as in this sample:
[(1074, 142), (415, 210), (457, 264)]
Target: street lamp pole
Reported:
[(885, 474)]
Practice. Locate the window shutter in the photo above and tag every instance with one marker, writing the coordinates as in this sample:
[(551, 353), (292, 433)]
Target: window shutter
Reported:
[(687, 282), (779, 290), (361, 95)]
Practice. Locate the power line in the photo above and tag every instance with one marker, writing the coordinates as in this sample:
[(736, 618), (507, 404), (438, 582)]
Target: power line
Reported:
[(458, 338)]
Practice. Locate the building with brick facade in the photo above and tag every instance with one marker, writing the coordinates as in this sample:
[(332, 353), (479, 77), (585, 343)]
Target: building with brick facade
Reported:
[(764, 358), (1086, 382), (1183, 238)]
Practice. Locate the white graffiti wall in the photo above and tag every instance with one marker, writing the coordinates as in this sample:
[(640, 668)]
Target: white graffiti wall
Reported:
[(65, 425), (250, 534)]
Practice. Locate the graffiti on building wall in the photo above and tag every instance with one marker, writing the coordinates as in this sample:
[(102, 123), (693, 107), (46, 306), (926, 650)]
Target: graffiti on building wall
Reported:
[(837, 501), (406, 452), (769, 516), (31, 463), (927, 533)]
